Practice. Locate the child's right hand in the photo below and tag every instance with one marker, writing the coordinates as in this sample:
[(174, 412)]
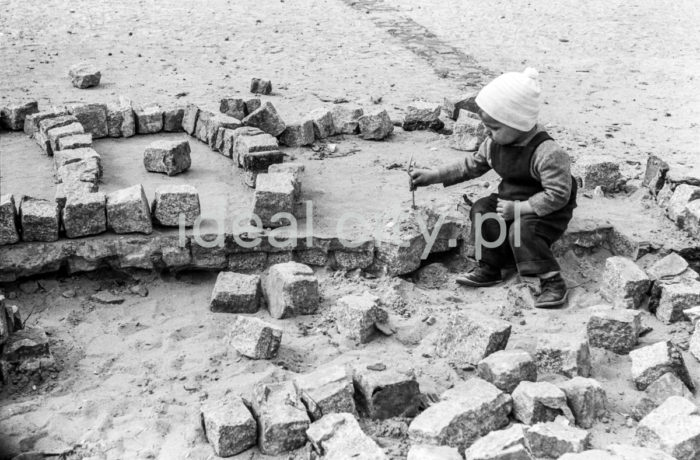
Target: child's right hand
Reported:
[(422, 177)]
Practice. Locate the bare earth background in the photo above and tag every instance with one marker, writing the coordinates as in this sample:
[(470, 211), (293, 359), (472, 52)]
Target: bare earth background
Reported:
[(618, 80)]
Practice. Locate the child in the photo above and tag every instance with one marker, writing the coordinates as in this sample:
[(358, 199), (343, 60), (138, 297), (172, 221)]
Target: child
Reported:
[(536, 196)]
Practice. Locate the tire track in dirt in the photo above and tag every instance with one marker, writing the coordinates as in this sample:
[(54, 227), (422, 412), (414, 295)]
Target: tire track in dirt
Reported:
[(446, 60)]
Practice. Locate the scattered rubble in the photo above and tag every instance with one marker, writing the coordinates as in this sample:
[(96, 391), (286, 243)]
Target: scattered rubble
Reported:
[(673, 427), (327, 390), (659, 391), (587, 400)]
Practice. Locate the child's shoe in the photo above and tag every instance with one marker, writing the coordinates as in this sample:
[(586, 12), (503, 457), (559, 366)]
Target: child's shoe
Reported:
[(553, 292), (482, 275)]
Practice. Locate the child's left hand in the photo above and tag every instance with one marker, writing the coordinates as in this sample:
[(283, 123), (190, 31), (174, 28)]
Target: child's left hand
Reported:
[(506, 209)]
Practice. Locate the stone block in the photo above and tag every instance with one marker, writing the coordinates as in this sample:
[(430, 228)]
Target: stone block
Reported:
[(651, 362), (38, 219), (692, 314), (535, 402), (233, 107), (352, 260), (260, 86), (464, 413), (245, 146), (508, 444), (659, 391), (628, 452), (507, 368), (295, 169), (467, 338), (128, 117), (55, 134), (235, 293), (375, 125), (384, 394), (587, 400), (254, 338), (41, 135), (84, 214), (673, 427), (32, 120), (93, 117), (670, 299), (605, 175), (247, 262), (565, 355), (614, 330), (340, 436), (691, 218), (682, 195), (323, 123), (172, 200), (266, 119), (453, 105), (467, 134), (554, 439), (274, 193), (291, 289), (212, 124), (327, 390), (168, 157), (655, 174), (189, 119), (670, 267), (74, 141), (694, 344), (624, 284), (88, 169), (422, 115), (149, 118), (73, 187), (225, 139), (357, 315), (428, 452), (229, 426), (298, 134), (250, 178), (9, 233), (345, 118), (282, 419), (84, 75), (251, 105), (172, 119), (12, 116), (115, 119), (128, 211)]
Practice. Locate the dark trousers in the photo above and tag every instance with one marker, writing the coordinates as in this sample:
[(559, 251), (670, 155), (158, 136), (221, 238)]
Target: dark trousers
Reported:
[(533, 255)]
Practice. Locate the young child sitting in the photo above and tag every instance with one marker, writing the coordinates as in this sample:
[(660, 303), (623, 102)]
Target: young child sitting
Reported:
[(536, 196)]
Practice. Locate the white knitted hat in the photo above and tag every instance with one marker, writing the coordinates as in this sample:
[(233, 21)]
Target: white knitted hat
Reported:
[(512, 99)]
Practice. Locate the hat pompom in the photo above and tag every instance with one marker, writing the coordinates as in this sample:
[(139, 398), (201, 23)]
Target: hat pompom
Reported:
[(531, 72)]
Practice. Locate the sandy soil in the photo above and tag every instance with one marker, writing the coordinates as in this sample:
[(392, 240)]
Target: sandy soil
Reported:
[(618, 82)]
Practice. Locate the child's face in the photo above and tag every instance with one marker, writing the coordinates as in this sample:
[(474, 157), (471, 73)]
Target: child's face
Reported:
[(500, 133)]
